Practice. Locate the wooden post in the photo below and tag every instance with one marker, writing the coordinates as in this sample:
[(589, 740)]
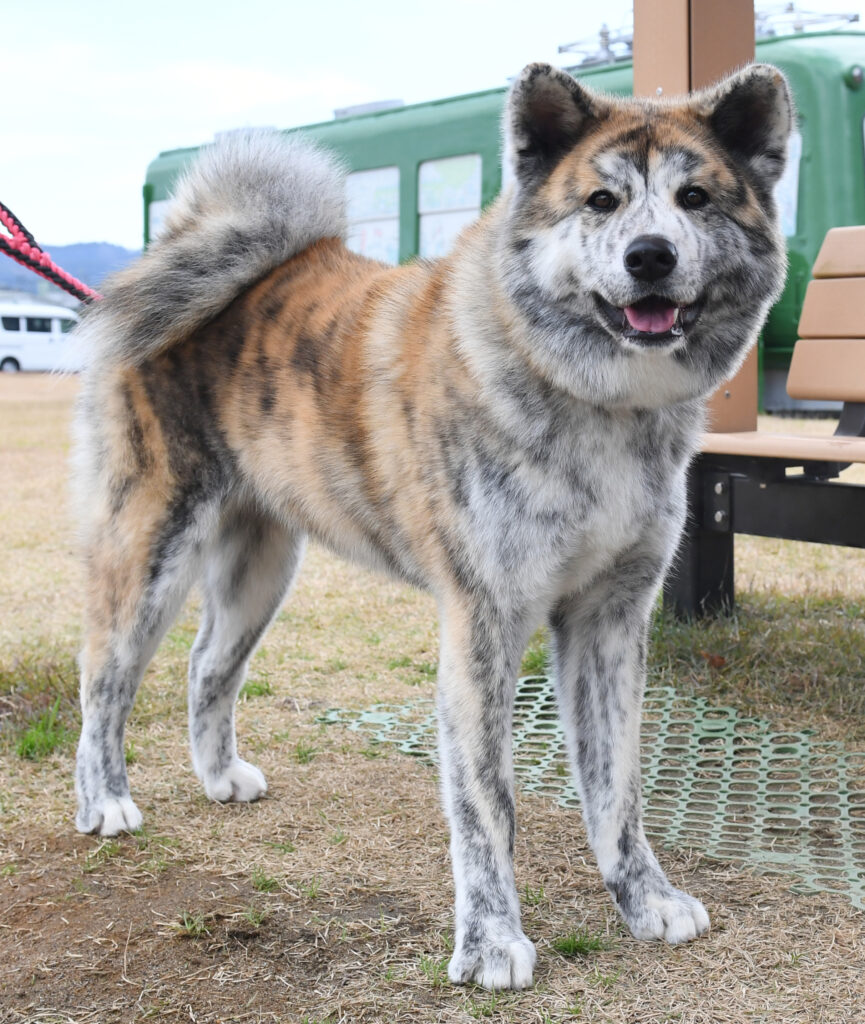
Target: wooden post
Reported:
[(680, 45)]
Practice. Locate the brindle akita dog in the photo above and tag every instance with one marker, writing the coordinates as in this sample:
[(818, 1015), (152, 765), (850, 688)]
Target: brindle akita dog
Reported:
[(508, 427)]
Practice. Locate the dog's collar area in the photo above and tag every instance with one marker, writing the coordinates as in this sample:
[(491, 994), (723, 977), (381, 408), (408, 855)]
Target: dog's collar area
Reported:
[(652, 320)]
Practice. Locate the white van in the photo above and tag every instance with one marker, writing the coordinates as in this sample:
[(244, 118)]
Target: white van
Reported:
[(36, 336)]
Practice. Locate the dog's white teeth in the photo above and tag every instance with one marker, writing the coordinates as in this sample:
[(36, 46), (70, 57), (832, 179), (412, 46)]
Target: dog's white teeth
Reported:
[(677, 328)]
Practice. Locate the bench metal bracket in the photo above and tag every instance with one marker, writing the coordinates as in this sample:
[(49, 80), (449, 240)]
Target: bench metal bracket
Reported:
[(730, 495), (852, 421)]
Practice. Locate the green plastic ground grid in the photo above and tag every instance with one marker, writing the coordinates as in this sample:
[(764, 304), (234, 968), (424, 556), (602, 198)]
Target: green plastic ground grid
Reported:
[(713, 780)]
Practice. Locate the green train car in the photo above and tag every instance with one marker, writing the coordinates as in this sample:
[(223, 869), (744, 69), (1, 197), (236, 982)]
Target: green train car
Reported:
[(420, 173)]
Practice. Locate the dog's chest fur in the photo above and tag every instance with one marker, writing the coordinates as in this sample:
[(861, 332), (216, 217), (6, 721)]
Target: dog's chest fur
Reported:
[(539, 525)]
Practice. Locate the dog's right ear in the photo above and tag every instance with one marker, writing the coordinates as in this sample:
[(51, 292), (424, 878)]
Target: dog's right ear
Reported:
[(547, 112)]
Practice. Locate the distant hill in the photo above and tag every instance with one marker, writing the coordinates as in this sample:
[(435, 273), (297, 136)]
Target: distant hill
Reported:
[(90, 262)]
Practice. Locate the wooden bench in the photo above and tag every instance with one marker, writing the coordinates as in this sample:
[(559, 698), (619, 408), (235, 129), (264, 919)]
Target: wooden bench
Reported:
[(785, 485)]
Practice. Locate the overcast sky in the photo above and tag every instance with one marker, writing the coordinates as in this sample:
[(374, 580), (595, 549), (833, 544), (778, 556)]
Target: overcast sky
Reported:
[(93, 90)]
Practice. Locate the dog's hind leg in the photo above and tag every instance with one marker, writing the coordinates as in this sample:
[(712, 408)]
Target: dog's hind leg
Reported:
[(600, 645), (141, 560), (249, 566)]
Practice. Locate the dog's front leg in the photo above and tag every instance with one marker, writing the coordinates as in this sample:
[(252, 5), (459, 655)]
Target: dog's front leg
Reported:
[(477, 679), (600, 650)]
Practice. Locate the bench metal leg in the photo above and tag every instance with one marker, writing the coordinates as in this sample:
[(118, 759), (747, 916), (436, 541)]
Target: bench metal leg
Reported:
[(700, 581), (756, 496)]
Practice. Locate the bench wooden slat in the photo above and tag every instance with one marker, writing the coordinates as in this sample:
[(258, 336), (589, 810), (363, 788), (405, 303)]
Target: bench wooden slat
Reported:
[(793, 447), (834, 308), (830, 369), (842, 253)]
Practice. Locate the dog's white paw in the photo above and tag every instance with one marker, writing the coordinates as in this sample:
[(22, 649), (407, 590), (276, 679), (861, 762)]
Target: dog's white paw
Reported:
[(109, 817), (241, 782), (498, 962), (672, 915)]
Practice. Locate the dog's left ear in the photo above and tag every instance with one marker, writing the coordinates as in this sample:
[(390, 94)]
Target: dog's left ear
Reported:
[(547, 113), (751, 113)]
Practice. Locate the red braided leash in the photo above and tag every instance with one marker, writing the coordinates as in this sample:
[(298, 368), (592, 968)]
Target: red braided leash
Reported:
[(22, 247)]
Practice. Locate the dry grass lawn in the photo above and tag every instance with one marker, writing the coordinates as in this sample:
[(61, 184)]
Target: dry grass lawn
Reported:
[(330, 899)]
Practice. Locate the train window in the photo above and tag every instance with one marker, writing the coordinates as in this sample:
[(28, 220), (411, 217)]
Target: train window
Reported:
[(449, 197), (787, 186), (156, 217), (11, 323), (40, 324), (373, 213), (66, 326)]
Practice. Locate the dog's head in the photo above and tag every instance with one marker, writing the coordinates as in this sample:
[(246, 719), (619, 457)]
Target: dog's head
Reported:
[(649, 226)]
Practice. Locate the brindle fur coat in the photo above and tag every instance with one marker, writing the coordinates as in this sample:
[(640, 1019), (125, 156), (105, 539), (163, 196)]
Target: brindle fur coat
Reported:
[(508, 427)]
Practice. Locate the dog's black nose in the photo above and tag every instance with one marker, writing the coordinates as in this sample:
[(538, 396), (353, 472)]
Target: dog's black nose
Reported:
[(650, 257)]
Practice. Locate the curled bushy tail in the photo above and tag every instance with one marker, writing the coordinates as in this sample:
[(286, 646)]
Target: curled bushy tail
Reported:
[(249, 202)]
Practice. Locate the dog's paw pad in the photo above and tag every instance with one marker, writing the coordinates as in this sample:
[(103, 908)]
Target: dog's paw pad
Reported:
[(494, 964), (110, 816), (241, 782)]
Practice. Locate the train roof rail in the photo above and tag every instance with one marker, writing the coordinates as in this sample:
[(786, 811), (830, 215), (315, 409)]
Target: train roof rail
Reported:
[(771, 21), (784, 19), (366, 108)]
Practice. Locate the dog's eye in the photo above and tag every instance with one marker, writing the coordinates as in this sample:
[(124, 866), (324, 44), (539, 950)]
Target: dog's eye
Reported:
[(692, 198), (603, 200)]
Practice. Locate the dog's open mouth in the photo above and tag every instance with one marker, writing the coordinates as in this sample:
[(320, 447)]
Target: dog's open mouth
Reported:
[(653, 320)]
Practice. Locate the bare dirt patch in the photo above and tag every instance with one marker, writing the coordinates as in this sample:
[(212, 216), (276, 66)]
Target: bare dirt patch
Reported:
[(331, 901)]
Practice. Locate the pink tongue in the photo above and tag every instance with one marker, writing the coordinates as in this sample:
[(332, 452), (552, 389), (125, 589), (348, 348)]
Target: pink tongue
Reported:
[(651, 321)]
